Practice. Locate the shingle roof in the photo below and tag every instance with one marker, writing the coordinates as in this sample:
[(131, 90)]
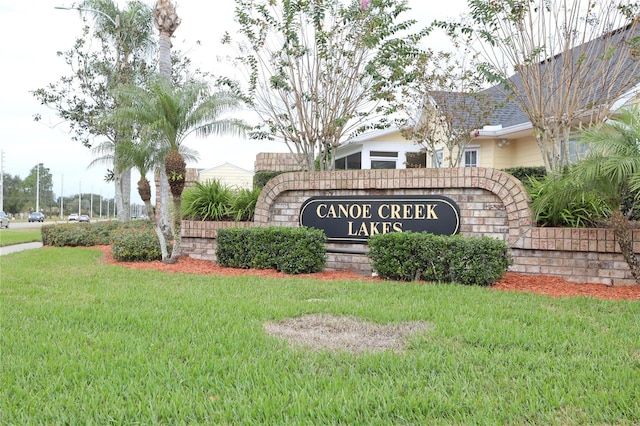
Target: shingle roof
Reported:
[(509, 112)]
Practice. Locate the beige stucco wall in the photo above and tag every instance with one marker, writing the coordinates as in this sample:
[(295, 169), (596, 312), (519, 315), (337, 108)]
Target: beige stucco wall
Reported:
[(526, 153)]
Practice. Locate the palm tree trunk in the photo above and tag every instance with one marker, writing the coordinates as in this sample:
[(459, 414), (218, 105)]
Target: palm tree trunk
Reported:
[(161, 238), (144, 190), (624, 235), (177, 226), (163, 214), (123, 195), (164, 59)]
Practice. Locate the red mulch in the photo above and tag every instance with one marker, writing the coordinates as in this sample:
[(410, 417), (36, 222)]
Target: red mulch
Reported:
[(540, 284)]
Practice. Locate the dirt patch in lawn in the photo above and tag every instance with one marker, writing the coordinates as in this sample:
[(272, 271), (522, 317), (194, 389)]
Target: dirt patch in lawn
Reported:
[(328, 332)]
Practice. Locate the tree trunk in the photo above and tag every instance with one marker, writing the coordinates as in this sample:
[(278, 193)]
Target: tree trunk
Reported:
[(144, 189), (163, 214), (624, 235), (123, 195), (177, 226), (164, 56), (161, 238)]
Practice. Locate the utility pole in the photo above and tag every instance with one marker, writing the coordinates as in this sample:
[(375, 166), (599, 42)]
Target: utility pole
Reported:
[(62, 197), (1, 180), (38, 188)]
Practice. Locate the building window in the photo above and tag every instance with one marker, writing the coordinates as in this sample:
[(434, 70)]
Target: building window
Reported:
[(577, 150), (416, 160), (354, 161), (381, 164), (471, 158), (389, 154), (383, 159), (437, 159), (350, 162)]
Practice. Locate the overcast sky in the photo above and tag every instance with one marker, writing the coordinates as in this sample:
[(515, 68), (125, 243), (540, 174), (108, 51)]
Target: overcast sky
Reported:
[(32, 31)]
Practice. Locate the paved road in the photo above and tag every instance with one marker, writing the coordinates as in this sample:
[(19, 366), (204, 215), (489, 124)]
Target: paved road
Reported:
[(23, 225)]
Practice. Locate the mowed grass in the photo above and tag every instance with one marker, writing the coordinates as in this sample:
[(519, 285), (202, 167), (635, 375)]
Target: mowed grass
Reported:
[(10, 236), (87, 343)]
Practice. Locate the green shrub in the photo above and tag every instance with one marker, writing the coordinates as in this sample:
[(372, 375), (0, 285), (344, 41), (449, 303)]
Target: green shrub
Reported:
[(133, 244), (243, 205), (231, 247), (260, 179), (211, 200), (476, 261), (131, 241), (409, 256), (580, 211), (290, 250), (78, 234), (524, 173)]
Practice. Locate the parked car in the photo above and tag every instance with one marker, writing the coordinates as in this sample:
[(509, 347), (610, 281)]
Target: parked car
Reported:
[(36, 217), (73, 217), (84, 218), (4, 220)]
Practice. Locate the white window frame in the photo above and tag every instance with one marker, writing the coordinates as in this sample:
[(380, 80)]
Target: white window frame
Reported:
[(475, 150), (393, 159)]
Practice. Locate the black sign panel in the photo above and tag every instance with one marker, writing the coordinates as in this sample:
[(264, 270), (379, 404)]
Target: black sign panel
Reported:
[(353, 219)]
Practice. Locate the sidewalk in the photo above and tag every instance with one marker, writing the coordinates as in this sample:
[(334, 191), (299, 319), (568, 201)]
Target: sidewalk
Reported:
[(19, 247)]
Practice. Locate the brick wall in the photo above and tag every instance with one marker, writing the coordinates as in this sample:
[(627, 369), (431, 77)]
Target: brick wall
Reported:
[(492, 203), (278, 162)]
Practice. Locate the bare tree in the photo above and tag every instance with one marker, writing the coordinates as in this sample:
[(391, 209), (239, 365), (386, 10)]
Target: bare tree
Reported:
[(312, 68), (443, 104), (573, 60)]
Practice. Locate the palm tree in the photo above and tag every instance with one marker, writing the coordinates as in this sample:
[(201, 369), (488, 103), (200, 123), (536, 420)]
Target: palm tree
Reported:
[(144, 156), (129, 31), (166, 21), (170, 114), (611, 171)]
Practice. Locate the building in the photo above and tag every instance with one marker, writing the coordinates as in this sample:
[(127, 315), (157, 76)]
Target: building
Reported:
[(507, 140), (228, 174)]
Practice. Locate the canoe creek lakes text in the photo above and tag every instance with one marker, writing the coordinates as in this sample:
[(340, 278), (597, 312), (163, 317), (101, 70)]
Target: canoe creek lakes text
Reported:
[(386, 213), (357, 218)]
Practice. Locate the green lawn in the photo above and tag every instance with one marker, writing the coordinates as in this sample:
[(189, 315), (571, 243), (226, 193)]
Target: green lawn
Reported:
[(88, 343), (10, 236)]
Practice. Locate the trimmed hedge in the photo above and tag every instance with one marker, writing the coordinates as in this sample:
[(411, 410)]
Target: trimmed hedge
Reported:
[(135, 244), (78, 234), (131, 241), (407, 256), (290, 250)]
